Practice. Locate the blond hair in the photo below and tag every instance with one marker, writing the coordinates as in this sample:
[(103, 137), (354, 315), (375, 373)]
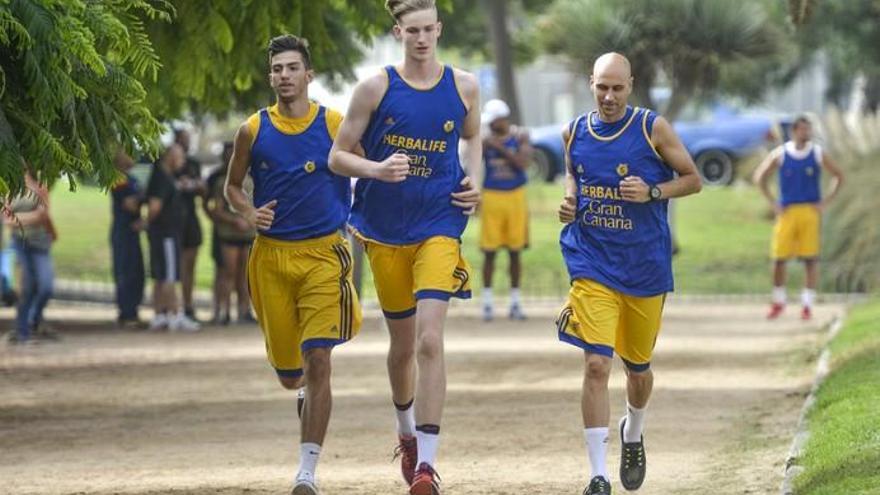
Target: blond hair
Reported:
[(399, 8)]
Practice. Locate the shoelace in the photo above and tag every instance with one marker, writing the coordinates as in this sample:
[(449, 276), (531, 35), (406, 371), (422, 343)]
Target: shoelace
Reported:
[(598, 484), (633, 456), (399, 451)]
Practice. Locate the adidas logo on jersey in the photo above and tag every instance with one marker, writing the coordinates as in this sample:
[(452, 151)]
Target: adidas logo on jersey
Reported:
[(389, 120)]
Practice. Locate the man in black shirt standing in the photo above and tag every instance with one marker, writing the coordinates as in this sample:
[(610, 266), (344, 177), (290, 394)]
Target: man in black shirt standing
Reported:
[(128, 259), (191, 185), (165, 212)]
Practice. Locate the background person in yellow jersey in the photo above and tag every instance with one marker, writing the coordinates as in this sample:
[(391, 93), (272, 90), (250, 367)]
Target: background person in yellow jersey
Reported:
[(410, 209), (504, 215), (798, 209), (618, 251), (299, 270)]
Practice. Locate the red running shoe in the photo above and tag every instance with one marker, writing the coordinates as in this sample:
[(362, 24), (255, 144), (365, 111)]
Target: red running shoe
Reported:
[(408, 452), (426, 481), (806, 313), (775, 310)]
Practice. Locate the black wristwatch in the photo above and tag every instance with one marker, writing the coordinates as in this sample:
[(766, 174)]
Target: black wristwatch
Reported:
[(654, 193)]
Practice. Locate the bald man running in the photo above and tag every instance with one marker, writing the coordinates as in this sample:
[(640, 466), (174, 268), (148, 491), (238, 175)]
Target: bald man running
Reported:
[(620, 173)]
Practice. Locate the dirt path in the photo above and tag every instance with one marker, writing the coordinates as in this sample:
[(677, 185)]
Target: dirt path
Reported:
[(108, 412)]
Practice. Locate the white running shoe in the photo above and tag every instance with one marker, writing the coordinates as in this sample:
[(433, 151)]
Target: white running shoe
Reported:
[(305, 485), (182, 323), (159, 322), (488, 312)]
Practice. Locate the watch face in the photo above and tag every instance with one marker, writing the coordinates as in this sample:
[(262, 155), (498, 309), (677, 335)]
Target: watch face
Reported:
[(655, 192)]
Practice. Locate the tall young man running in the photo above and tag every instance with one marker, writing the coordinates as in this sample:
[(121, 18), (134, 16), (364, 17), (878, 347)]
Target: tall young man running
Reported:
[(410, 209), (299, 270), (617, 248), (504, 215), (798, 209)]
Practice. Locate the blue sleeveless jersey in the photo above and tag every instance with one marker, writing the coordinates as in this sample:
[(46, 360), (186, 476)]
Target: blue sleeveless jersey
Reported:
[(622, 245), (799, 178), (425, 125), (501, 175), (292, 168)]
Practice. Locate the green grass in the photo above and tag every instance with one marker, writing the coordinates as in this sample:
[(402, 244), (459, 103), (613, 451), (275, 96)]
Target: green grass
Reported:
[(843, 453), (723, 233)]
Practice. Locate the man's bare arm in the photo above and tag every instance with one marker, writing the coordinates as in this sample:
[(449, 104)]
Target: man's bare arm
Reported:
[(831, 166), (568, 207), (762, 174), (346, 154), (674, 153), (472, 144), (263, 216)]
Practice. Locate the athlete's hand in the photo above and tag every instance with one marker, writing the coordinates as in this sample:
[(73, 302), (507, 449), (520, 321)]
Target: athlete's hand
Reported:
[(263, 216), (469, 198), (568, 209), (634, 190), (395, 168)]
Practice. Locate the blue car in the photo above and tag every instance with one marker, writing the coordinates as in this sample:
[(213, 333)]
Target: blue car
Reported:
[(715, 146)]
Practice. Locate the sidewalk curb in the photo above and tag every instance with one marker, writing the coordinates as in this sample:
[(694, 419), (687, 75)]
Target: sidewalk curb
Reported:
[(792, 468)]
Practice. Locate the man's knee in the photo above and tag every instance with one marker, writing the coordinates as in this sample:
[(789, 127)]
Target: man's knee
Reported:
[(638, 374), (317, 363), (598, 367), (291, 382), (430, 345)]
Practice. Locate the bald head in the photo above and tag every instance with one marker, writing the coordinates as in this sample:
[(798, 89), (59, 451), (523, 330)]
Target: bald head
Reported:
[(611, 84), (613, 64)]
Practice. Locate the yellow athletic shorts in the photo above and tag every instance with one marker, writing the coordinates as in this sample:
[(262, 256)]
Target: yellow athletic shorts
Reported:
[(303, 297), (431, 269), (504, 220), (796, 233), (603, 321)]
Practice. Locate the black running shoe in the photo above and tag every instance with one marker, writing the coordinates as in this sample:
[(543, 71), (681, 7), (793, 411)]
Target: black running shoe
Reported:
[(598, 486), (633, 464)]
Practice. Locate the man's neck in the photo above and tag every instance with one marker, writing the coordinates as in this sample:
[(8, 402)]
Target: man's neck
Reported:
[(296, 108), (799, 145), (610, 119), (421, 72)]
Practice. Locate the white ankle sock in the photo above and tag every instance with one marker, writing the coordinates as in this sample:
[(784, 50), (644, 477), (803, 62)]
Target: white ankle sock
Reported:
[(308, 460), (808, 298), (779, 295), (427, 447), (596, 440), (635, 424), (514, 297), (488, 302), (406, 421)]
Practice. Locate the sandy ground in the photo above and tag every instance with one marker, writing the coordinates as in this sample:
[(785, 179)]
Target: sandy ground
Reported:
[(106, 412)]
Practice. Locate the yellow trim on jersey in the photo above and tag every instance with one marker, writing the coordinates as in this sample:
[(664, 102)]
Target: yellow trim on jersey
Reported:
[(295, 125), (617, 134), (442, 71), (333, 120), (571, 133), (460, 95), (647, 137)]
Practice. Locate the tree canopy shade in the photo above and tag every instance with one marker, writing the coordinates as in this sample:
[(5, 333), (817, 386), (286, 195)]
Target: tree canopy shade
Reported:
[(70, 89), (693, 43)]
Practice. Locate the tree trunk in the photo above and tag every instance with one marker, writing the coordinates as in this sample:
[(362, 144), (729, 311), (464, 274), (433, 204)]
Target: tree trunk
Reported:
[(501, 47)]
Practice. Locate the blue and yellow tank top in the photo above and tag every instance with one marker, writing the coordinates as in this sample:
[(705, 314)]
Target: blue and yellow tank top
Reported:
[(291, 167), (622, 245), (799, 175), (426, 126), (501, 175)]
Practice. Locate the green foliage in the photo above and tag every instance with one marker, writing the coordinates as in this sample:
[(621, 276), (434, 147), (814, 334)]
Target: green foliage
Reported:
[(693, 43), (214, 52), (843, 452), (70, 91)]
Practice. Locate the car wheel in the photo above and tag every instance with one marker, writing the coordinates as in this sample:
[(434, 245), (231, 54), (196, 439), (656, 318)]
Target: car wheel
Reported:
[(542, 166), (715, 167)]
